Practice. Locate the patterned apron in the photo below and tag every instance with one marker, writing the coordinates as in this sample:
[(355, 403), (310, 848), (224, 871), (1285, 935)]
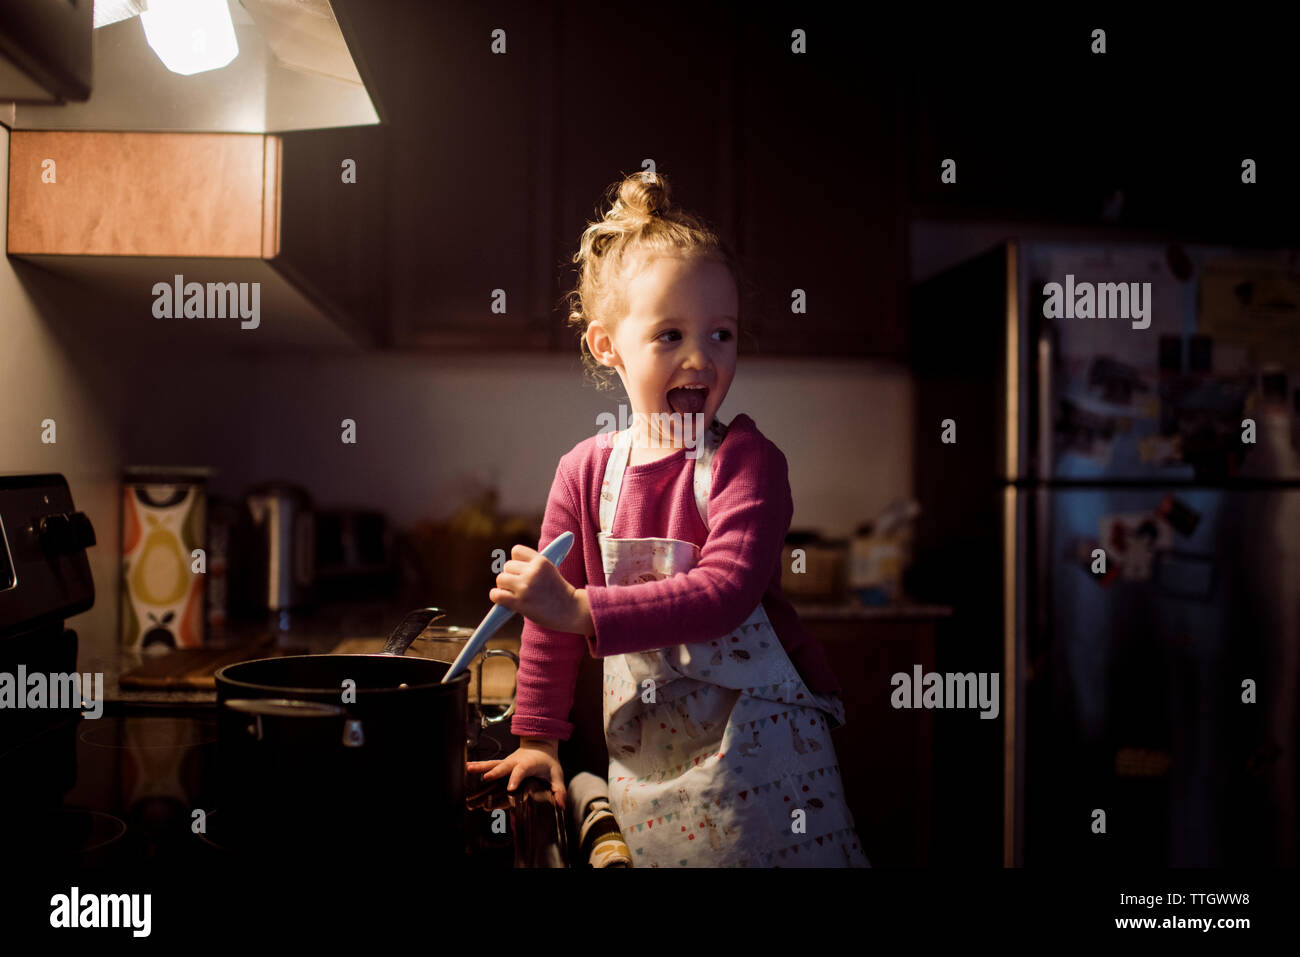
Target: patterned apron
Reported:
[(719, 754)]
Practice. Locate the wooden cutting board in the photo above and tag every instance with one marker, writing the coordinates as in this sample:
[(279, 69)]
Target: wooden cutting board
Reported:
[(195, 669)]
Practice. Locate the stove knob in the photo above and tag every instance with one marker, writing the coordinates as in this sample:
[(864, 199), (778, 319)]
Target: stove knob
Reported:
[(55, 534), (64, 533)]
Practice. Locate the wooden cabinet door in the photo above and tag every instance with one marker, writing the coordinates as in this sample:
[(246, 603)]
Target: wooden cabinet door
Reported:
[(470, 175), (640, 85), (822, 200), (885, 754)]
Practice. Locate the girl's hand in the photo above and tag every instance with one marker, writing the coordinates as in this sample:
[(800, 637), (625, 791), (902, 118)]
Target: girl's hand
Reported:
[(535, 757), (530, 585)]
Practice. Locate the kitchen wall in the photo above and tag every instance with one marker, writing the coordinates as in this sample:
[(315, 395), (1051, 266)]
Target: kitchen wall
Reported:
[(49, 371), (429, 428)]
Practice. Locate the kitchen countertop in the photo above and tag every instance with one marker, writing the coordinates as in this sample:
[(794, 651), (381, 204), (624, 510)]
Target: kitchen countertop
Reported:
[(320, 631), (855, 610), (316, 632)]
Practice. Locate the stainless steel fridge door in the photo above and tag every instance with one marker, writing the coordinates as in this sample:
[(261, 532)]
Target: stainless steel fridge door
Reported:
[(1161, 672)]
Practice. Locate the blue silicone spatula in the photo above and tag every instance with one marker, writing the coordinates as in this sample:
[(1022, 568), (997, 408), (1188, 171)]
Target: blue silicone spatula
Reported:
[(500, 614)]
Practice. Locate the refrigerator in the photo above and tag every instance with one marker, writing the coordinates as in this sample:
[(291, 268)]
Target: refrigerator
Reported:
[(1107, 458)]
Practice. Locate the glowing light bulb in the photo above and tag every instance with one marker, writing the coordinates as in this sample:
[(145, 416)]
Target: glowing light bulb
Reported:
[(190, 36)]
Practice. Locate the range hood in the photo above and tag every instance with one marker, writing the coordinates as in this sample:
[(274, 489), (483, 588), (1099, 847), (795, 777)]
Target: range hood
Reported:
[(162, 179), (294, 71)]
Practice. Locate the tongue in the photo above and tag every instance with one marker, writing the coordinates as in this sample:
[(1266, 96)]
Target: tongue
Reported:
[(687, 401)]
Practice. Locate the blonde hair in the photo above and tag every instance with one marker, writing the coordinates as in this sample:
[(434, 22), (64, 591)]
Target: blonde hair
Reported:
[(641, 224)]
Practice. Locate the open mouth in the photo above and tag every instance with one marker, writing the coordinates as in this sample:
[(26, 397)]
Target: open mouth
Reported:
[(688, 400)]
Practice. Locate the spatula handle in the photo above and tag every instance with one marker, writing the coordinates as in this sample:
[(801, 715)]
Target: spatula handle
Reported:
[(500, 614)]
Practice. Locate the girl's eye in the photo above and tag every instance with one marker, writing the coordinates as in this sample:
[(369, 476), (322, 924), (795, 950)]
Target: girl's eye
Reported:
[(724, 333)]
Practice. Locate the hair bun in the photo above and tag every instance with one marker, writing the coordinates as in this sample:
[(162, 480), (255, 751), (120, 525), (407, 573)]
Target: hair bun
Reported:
[(645, 194)]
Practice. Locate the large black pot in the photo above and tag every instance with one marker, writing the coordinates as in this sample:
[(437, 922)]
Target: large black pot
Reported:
[(343, 754)]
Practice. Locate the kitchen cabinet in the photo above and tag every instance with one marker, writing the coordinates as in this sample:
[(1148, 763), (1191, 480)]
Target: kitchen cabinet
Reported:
[(671, 102), (470, 153), (503, 183), (762, 144), (821, 204), (885, 754), (920, 783), (793, 159)]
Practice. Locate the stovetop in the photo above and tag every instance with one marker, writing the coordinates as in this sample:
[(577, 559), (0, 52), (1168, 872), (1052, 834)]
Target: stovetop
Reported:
[(136, 789)]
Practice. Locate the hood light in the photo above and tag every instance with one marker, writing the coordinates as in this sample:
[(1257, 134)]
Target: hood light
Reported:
[(190, 36)]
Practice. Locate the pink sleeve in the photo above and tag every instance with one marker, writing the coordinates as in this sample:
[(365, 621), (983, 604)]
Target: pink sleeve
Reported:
[(549, 660), (749, 514)]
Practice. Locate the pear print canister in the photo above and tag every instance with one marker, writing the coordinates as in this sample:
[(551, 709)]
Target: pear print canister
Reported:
[(164, 563)]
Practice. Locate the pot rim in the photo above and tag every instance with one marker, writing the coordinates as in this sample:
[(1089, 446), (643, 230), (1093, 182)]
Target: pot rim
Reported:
[(222, 678)]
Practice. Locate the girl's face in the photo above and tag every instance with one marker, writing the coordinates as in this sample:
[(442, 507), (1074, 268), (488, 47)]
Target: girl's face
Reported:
[(680, 329)]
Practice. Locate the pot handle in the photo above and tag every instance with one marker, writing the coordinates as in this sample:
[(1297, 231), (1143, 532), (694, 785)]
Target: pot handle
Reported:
[(259, 708), (493, 653)]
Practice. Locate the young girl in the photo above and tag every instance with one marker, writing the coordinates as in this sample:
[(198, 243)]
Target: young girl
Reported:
[(717, 705)]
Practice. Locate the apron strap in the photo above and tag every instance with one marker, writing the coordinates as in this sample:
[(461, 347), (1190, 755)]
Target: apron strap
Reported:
[(712, 438), (612, 483)]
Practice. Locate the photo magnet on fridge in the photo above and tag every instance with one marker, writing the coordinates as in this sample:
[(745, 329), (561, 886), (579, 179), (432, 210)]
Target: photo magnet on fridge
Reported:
[(1131, 542)]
